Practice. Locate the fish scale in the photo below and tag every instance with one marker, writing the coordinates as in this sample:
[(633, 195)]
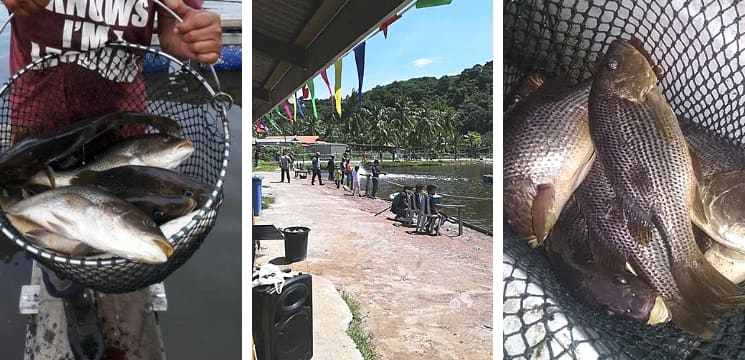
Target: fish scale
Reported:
[(646, 159), (596, 198), (546, 142)]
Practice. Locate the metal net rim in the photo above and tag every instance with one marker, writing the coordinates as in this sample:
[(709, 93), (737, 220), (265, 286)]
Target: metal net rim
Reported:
[(211, 204)]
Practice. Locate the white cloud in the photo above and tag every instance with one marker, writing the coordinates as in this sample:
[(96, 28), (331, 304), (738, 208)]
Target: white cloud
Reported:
[(422, 62)]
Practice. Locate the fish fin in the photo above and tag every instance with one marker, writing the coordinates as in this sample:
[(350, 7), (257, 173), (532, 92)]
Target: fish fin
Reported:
[(38, 236), (640, 231), (83, 250), (540, 212), (689, 320), (50, 175)]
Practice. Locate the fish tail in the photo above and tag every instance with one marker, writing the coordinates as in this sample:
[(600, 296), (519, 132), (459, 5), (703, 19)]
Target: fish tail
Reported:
[(707, 292), (690, 320)]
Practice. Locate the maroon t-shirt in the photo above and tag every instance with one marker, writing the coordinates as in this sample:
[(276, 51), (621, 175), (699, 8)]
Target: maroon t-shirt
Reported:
[(80, 25), (53, 97)]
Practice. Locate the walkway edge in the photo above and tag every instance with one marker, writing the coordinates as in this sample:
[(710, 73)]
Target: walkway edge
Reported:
[(331, 319)]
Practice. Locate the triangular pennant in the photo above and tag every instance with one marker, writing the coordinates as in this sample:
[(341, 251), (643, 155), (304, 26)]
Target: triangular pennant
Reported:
[(337, 86), (359, 58), (311, 87), (387, 23)]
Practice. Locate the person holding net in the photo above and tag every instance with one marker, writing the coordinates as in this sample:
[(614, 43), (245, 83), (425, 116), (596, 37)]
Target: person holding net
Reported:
[(51, 100)]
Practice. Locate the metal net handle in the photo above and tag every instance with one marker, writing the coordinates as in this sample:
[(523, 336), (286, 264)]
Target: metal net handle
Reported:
[(221, 100)]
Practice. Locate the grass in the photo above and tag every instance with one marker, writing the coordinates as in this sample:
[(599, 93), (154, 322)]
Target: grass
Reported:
[(361, 338), (266, 166), (266, 201)]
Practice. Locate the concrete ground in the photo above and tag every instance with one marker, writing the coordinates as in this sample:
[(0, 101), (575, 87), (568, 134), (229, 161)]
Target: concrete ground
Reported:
[(420, 296)]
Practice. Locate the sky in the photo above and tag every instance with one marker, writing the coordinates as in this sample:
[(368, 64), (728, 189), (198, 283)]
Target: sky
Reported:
[(434, 41)]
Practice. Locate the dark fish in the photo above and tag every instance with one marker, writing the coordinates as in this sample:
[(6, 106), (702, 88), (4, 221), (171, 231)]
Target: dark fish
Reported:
[(597, 279), (645, 157), (157, 150), (547, 152), (33, 154), (720, 169), (161, 193)]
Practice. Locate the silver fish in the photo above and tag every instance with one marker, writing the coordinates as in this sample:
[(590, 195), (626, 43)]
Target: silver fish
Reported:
[(97, 219)]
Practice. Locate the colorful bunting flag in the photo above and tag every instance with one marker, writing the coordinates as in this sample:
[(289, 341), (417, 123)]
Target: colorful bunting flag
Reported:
[(300, 106), (387, 23), (328, 85), (313, 97), (337, 86), (359, 58), (287, 110), (430, 3), (306, 92), (291, 100)]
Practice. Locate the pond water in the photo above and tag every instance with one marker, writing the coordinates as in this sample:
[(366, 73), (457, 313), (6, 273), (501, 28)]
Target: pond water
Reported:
[(459, 184), (204, 296)]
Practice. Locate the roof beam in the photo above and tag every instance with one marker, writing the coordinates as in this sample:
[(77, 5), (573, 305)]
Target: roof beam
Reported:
[(279, 50), (352, 24), (261, 94)]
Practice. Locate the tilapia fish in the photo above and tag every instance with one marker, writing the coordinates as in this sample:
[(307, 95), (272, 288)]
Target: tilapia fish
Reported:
[(596, 276), (163, 194), (97, 219), (157, 150), (721, 179), (547, 152), (646, 159)]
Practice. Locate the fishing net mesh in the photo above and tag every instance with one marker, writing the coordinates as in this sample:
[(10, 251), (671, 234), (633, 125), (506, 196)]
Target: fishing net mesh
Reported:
[(58, 90), (700, 48)]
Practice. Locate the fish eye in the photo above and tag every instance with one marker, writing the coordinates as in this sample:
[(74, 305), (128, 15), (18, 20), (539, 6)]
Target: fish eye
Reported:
[(612, 64), (188, 193), (150, 223), (516, 98), (165, 137), (158, 213), (620, 279)]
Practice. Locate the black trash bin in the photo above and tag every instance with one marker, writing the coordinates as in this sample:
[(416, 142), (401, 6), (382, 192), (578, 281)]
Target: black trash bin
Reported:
[(296, 243)]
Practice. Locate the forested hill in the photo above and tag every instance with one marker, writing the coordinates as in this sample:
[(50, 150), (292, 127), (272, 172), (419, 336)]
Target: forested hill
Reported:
[(418, 112)]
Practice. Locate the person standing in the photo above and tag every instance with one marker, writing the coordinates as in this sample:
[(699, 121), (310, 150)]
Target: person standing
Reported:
[(376, 171), (40, 28), (337, 177), (330, 166), (348, 172), (316, 165), (356, 181), (284, 166)]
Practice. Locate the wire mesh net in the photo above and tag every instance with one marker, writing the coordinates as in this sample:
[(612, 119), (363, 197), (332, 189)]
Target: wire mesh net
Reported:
[(57, 90), (700, 47)]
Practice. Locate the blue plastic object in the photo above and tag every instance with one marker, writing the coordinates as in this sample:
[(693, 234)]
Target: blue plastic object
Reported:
[(256, 194)]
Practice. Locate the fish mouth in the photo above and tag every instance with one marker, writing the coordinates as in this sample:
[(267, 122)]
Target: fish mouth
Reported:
[(185, 144), (191, 204), (164, 245), (659, 314)]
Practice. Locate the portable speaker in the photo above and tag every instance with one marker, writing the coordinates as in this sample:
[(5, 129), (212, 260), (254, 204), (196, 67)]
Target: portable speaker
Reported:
[(283, 323)]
